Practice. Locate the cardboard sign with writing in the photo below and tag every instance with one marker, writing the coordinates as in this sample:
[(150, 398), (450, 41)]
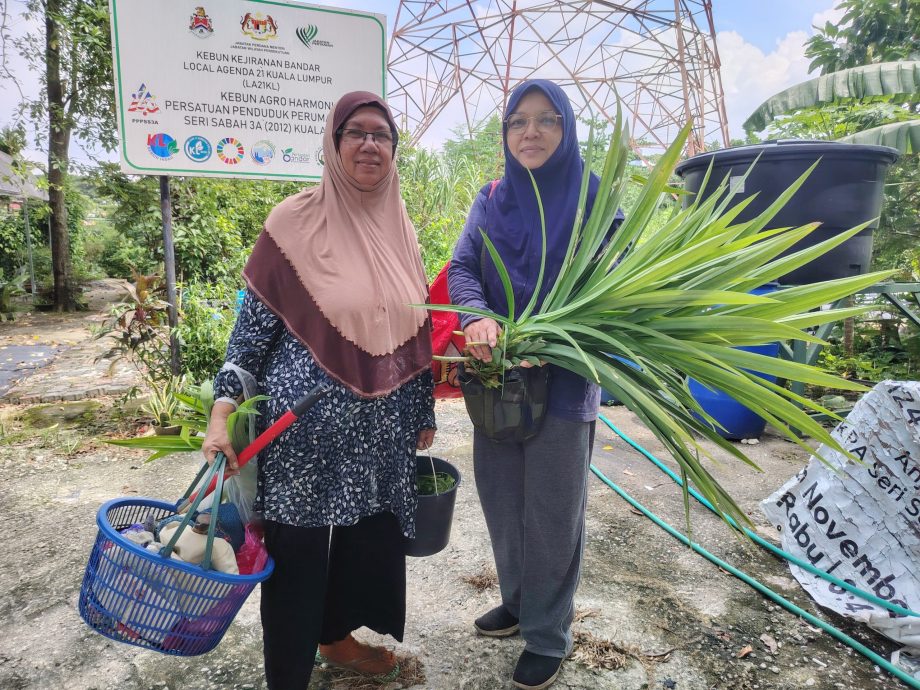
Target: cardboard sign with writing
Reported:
[(862, 522)]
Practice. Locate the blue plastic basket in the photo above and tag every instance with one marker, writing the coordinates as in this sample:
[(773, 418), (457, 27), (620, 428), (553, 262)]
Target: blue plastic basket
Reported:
[(137, 596)]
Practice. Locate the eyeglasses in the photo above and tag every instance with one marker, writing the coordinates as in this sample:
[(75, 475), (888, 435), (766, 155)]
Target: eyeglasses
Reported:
[(545, 121), (356, 137)]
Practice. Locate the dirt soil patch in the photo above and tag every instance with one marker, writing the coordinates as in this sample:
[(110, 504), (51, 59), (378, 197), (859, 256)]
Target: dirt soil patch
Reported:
[(651, 614)]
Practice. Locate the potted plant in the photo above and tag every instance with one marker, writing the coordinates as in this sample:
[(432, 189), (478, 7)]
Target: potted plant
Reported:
[(673, 303), (437, 482), (163, 406)]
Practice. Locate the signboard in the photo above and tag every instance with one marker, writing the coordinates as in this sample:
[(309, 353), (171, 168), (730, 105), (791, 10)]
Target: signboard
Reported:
[(236, 88)]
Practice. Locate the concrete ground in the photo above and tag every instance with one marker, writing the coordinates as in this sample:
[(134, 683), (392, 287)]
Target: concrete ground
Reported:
[(650, 612)]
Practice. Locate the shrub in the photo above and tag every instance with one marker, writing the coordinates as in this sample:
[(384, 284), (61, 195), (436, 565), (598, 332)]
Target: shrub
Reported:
[(206, 317)]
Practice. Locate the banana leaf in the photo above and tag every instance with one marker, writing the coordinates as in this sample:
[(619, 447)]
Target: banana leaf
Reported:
[(904, 136), (901, 78)]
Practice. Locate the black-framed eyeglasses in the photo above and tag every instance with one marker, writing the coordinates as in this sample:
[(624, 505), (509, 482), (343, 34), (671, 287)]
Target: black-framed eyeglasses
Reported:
[(545, 121), (356, 137)]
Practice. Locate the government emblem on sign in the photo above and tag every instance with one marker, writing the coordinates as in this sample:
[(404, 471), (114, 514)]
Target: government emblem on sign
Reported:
[(162, 146), (262, 152), (258, 26), (230, 151), (142, 102), (200, 23), (197, 148)]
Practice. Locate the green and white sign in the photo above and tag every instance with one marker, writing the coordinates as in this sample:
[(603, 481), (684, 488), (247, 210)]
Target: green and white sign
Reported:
[(236, 88)]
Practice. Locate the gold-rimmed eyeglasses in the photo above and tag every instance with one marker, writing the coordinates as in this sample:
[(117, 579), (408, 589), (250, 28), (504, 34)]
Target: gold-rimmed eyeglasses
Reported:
[(545, 121)]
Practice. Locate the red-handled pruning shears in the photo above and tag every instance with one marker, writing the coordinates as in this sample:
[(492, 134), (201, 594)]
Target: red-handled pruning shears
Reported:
[(267, 436)]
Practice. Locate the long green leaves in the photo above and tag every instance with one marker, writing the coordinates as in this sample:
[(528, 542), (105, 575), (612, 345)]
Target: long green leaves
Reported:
[(642, 318), (904, 136), (197, 403)]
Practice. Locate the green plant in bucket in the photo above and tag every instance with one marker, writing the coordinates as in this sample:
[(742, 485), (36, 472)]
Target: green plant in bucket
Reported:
[(431, 484), (673, 303)]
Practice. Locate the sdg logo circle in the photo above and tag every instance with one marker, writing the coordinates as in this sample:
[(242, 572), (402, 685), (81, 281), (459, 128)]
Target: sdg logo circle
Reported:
[(230, 151)]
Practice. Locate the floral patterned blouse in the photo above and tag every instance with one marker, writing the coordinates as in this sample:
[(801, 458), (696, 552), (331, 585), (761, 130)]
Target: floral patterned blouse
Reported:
[(347, 457)]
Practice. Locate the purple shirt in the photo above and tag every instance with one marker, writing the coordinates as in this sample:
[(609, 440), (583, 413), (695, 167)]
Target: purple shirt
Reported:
[(571, 397)]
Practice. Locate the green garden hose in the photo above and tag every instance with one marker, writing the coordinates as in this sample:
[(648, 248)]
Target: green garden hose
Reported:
[(909, 680), (805, 565), (903, 676)]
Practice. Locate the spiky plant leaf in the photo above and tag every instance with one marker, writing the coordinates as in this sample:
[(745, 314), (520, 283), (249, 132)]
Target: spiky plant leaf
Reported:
[(642, 318)]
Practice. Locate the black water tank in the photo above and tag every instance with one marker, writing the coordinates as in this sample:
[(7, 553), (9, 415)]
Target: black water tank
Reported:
[(843, 191)]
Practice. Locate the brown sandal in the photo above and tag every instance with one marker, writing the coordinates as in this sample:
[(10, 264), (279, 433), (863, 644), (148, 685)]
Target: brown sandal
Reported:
[(359, 657)]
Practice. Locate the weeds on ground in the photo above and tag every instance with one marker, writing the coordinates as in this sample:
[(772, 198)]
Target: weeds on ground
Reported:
[(411, 673), (27, 428), (606, 655), (482, 581)]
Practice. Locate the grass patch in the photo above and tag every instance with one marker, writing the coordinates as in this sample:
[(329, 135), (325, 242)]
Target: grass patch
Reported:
[(65, 428), (65, 414)]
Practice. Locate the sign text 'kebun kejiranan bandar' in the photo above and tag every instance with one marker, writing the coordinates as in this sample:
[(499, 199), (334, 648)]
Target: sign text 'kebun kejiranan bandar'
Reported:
[(236, 88)]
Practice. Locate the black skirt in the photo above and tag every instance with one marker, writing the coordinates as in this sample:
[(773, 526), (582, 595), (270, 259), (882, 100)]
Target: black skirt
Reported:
[(327, 583)]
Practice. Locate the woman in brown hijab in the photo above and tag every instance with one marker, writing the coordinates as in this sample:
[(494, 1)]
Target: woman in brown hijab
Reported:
[(329, 284)]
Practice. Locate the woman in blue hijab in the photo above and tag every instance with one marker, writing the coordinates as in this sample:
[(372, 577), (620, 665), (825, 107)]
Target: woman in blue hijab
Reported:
[(533, 493)]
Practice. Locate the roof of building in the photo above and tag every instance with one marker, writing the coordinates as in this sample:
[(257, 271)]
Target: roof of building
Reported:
[(12, 184)]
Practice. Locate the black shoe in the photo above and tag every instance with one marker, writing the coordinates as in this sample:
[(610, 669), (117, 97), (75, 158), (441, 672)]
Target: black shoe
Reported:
[(535, 671), (497, 623)]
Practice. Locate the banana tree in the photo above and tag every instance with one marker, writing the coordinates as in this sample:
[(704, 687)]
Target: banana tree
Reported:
[(645, 311), (879, 80)]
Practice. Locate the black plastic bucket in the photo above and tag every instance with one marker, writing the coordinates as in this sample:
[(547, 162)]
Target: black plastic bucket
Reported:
[(435, 513), (843, 191)]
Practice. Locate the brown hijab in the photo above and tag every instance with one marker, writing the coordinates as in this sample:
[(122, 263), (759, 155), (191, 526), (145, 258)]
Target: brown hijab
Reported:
[(339, 263)]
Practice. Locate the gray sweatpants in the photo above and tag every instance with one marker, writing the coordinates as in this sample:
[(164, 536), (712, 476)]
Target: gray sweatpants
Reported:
[(533, 495)]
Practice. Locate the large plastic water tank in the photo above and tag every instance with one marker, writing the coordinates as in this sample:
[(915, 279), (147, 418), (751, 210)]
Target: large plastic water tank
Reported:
[(843, 191), (736, 420)]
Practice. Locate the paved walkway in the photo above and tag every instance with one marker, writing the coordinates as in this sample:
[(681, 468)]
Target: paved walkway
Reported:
[(53, 357)]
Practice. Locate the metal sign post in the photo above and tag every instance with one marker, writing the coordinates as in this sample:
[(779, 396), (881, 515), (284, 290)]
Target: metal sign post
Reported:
[(169, 260), (25, 215)]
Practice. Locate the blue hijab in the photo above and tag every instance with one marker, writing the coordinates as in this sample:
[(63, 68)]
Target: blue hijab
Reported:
[(512, 214)]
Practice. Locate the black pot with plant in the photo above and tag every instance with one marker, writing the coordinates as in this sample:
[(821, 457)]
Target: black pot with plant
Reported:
[(437, 492)]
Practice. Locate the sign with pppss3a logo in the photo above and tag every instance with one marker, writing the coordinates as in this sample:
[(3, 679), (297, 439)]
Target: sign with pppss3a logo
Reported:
[(236, 88), (197, 148)]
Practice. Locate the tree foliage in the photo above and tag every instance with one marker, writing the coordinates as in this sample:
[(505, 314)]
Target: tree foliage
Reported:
[(869, 31), (72, 58), (439, 187), (87, 107), (215, 222)]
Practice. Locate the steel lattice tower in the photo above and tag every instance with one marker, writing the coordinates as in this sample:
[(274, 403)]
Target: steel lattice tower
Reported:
[(458, 60)]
